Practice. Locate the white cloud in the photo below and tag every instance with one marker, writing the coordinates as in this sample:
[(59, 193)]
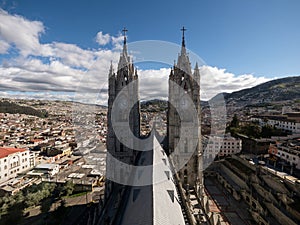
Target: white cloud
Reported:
[(72, 55), (154, 83), (24, 34), (67, 69), (4, 46), (102, 39), (117, 41), (215, 80)]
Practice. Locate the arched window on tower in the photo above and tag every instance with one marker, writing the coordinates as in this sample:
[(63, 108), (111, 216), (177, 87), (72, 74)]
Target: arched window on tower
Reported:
[(185, 145), (185, 176), (121, 147)]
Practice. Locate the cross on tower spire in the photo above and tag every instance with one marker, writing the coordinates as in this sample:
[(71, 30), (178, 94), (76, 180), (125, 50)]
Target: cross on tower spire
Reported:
[(124, 33), (183, 41)]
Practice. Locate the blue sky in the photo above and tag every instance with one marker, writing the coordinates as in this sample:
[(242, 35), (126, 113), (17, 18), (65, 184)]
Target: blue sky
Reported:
[(257, 38)]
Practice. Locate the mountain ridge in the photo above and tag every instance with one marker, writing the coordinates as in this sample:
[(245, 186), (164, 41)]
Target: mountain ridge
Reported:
[(282, 89)]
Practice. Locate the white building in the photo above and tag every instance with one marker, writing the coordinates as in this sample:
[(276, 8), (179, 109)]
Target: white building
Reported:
[(14, 161), (289, 152), (222, 146), (292, 126)]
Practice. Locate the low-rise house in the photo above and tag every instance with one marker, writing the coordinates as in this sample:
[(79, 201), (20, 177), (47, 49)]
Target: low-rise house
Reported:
[(45, 169)]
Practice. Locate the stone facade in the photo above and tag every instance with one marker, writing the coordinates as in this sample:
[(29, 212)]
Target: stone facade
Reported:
[(123, 113), (122, 146), (184, 95)]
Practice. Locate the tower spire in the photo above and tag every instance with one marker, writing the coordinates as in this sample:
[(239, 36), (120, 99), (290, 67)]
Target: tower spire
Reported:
[(183, 41), (124, 58), (124, 34), (111, 69), (197, 73), (183, 61)]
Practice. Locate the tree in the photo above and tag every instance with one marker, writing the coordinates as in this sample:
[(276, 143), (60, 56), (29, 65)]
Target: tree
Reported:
[(68, 188), (32, 199), (235, 121), (46, 205), (15, 213), (233, 127), (251, 130)]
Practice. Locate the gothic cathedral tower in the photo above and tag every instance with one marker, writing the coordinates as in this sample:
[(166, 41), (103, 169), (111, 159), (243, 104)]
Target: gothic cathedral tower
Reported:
[(181, 76), (124, 113)]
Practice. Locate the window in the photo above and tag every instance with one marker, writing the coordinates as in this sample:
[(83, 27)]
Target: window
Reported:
[(186, 146)]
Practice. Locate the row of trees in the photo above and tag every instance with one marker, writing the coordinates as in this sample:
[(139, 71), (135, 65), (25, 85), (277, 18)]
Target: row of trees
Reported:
[(44, 194), (252, 129)]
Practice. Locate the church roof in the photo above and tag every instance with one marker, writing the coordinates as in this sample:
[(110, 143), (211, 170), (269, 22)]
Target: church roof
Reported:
[(157, 203), (166, 206)]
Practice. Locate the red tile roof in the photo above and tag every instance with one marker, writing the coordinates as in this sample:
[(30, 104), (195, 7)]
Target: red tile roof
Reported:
[(4, 152)]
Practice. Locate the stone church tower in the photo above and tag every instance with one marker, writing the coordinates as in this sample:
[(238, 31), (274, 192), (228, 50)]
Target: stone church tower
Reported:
[(183, 85), (124, 111), (153, 203)]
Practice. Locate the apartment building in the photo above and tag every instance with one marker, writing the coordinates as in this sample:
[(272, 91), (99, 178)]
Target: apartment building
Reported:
[(222, 146), (287, 122), (288, 151), (14, 161)]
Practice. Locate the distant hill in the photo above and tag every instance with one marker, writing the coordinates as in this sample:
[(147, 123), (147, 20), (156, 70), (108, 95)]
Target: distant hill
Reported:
[(154, 105), (284, 89), (13, 108), (163, 104), (160, 102)]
